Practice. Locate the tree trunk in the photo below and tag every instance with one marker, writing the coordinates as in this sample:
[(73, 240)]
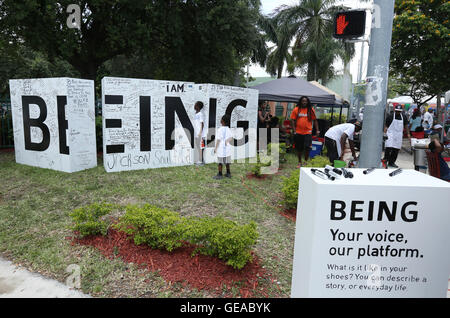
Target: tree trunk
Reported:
[(438, 109), (89, 71), (439, 115), (237, 78), (310, 72), (280, 70)]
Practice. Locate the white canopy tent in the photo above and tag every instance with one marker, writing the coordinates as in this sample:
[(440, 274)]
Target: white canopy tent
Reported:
[(433, 101), (401, 100)]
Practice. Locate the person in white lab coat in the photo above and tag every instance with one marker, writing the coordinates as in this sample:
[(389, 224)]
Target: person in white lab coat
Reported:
[(428, 119), (394, 126)]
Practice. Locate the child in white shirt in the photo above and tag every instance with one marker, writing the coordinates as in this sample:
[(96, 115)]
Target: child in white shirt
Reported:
[(223, 147), (199, 134)]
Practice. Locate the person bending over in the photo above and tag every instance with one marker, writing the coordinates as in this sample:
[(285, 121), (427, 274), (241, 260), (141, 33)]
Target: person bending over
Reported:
[(336, 140)]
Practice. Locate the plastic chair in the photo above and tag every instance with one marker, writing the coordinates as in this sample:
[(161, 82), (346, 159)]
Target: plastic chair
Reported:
[(433, 164), (418, 135)]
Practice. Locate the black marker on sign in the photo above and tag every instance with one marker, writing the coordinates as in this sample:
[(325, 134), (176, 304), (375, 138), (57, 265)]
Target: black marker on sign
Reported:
[(396, 172), (319, 173), (332, 178), (368, 170), (332, 173), (347, 174)]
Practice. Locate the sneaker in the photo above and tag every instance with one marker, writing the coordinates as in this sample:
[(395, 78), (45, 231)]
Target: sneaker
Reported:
[(393, 165), (218, 177), (228, 175), (199, 164)]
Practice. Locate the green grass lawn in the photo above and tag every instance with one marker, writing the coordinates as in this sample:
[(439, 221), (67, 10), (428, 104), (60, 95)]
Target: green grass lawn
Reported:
[(34, 218)]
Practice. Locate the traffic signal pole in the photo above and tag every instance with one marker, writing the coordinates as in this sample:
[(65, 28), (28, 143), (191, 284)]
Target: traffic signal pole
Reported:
[(377, 82)]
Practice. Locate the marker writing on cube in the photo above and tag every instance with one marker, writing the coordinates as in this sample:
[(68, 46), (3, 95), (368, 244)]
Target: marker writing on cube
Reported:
[(395, 172)]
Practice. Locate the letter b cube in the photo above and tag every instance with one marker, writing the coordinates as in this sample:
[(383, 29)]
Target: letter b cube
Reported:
[(54, 123)]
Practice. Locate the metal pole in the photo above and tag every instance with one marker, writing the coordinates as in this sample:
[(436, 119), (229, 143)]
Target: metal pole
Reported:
[(361, 62), (377, 80)]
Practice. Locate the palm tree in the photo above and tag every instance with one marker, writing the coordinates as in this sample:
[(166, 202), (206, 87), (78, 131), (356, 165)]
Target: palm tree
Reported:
[(311, 23), (281, 35)]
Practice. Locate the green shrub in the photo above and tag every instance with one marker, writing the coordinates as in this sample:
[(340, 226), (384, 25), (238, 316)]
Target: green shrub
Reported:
[(158, 228), (291, 184), (261, 161), (88, 220), (163, 229), (327, 116), (281, 150), (222, 238), (267, 160), (290, 189), (317, 162)]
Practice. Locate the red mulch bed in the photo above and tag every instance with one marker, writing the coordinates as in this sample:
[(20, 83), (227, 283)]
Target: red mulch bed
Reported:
[(261, 177), (291, 214), (200, 271)]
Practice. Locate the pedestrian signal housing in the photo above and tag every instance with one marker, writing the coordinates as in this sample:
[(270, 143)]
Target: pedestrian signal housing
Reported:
[(349, 24)]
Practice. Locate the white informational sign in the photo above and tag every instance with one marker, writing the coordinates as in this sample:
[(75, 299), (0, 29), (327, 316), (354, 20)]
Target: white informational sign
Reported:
[(372, 236), (54, 123), (150, 123)]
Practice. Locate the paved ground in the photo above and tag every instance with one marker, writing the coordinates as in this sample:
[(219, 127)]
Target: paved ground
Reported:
[(19, 283)]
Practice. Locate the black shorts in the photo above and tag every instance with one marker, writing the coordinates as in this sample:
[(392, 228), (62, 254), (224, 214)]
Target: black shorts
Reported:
[(332, 151), (302, 142)]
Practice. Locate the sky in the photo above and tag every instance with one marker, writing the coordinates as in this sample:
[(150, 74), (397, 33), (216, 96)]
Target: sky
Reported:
[(269, 5)]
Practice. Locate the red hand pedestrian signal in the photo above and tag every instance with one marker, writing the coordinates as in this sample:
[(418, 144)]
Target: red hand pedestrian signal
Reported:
[(349, 24), (341, 24)]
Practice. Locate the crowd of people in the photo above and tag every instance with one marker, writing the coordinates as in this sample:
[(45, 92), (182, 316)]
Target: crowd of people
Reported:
[(397, 124), (304, 122)]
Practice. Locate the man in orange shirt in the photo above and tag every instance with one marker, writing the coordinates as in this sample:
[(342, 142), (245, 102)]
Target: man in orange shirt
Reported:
[(302, 118)]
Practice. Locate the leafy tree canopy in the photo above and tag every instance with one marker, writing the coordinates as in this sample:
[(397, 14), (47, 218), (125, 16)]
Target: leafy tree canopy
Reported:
[(421, 45), (310, 25), (195, 40)]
